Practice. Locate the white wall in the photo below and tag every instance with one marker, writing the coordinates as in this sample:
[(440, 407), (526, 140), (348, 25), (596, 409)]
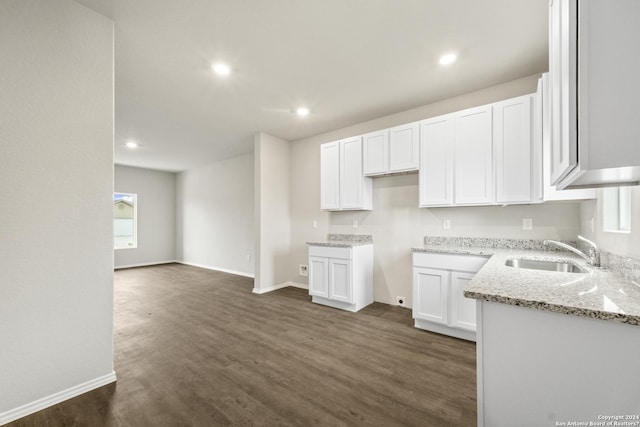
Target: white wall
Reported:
[(56, 155), (273, 224), (156, 192), (214, 215), (396, 222), (618, 243)]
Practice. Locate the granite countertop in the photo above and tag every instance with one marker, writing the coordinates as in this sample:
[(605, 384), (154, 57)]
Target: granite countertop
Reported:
[(599, 293), (344, 240)]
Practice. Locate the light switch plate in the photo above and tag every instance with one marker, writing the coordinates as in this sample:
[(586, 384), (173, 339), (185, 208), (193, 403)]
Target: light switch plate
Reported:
[(527, 223), (446, 224), (354, 223)]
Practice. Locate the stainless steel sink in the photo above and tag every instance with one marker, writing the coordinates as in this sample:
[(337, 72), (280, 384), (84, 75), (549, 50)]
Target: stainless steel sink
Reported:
[(536, 264)]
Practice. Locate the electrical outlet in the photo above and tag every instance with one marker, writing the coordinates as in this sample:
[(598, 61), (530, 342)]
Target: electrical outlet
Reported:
[(314, 224), (446, 224), (248, 258), (593, 225), (401, 301), (354, 223), (304, 270), (527, 223)]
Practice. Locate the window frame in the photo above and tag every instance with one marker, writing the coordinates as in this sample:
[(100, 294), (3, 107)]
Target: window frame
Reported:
[(135, 220), (616, 210)]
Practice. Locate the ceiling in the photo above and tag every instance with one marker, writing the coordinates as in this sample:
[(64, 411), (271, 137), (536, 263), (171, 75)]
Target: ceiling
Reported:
[(349, 61)]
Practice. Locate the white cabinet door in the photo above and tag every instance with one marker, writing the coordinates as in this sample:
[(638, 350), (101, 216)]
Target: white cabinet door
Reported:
[(436, 161), (473, 156), (375, 147), (404, 147), (330, 176), (319, 276), (550, 192), (513, 145), (563, 72), (430, 289), (594, 93), (351, 177), (463, 309), (340, 287)]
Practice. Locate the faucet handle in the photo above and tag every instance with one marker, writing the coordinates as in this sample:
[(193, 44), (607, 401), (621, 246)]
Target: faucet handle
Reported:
[(593, 245)]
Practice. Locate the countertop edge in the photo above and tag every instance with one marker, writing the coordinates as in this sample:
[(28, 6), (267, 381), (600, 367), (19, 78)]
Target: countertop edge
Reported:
[(627, 319), (336, 244)]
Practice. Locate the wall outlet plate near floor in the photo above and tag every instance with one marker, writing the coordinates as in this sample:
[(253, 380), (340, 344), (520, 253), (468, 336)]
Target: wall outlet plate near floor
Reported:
[(303, 270), (401, 301)]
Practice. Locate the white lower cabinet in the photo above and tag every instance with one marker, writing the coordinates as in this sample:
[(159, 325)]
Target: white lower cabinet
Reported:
[(463, 310), (439, 304), (341, 277), (430, 289)]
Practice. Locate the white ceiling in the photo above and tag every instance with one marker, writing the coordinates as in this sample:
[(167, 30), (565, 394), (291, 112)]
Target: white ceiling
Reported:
[(347, 60)]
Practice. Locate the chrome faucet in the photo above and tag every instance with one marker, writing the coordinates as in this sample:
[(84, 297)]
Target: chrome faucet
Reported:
[(594, 253)]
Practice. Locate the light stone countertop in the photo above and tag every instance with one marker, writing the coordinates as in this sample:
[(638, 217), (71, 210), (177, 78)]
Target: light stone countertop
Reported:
[(338, 243), (344, 240), (599, 293)]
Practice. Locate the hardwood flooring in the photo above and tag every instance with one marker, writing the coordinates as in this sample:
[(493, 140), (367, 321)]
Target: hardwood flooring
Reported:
[(195, 347)]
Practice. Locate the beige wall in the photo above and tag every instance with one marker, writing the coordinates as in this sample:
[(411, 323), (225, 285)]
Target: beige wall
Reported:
[(618, 243), (396, 222), (56, 154), (156, 215), (214, 215), (272, 210)]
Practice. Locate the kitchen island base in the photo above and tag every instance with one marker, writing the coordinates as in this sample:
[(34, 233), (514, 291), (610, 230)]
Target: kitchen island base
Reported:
[(540, 368)]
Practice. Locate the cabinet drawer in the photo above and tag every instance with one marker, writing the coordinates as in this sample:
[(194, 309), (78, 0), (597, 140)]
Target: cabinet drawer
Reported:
[(330, 252), (470, 263)]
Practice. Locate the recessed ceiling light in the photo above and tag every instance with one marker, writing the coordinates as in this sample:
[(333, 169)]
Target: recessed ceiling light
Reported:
[(221, 69), (448, 58), (302, 111), (131, 144)]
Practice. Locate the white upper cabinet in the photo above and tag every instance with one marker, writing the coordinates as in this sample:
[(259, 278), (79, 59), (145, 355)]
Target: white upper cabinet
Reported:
[(404, 148), (436, 161), (483, 156), (376, 152), (514, 149), (392, 150), (352, 188), (330, 176), (564, 156), (594, 93), (343, 185), (543, 124), (473, 157)]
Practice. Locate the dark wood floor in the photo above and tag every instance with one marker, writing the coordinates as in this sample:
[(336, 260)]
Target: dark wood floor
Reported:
[(196, 348)]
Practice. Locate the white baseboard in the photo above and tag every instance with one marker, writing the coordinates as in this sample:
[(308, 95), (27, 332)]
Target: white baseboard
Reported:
[(298, 285), (144, 264), (280, 286), (224, 270), (53, 399)]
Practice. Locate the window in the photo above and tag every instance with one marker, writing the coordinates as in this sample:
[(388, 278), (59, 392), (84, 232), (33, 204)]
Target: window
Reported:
[(616, 209), (125, 226)]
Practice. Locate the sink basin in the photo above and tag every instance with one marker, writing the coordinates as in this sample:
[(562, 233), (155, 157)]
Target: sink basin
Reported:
[(536, 264)]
